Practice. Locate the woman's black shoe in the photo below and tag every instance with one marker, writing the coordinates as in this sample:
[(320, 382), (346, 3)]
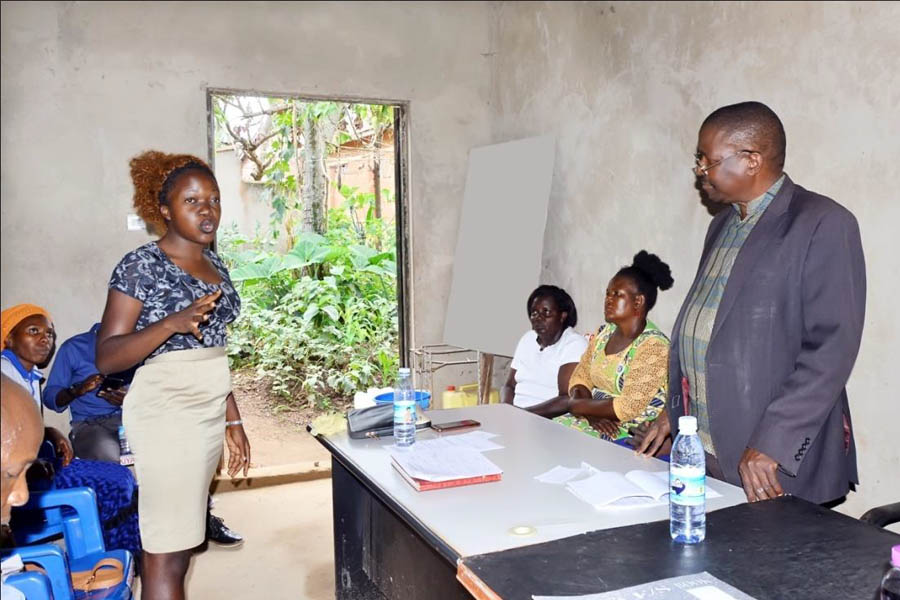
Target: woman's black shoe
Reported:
[(218, 533)]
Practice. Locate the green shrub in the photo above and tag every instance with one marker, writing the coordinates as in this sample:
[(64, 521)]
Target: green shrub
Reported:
[(320, 321)]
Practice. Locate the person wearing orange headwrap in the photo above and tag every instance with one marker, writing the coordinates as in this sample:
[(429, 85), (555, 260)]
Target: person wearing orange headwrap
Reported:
[(28, 342)]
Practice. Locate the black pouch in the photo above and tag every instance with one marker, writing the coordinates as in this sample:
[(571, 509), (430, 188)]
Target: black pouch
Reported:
[(377, 421)]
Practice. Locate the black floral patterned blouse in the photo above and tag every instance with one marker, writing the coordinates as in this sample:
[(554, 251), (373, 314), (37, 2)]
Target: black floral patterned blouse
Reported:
[(164, 288)]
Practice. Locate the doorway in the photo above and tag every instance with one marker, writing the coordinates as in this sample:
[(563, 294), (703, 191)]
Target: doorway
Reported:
[(314, 232)]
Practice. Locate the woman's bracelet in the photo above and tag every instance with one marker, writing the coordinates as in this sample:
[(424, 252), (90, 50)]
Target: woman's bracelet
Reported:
[(233, 423)]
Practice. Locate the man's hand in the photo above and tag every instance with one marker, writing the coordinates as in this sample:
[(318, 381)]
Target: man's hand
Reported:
[(759, 476), (88, 385), (606, 426), (238, 450), (60, 444), (653, 437), (114, 396)]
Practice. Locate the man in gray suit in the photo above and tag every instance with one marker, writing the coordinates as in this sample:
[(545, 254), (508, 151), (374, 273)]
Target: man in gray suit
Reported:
[(768, 334)]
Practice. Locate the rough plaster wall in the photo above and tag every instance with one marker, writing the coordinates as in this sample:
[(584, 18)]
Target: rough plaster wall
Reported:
[(85, 86), (626, 85)]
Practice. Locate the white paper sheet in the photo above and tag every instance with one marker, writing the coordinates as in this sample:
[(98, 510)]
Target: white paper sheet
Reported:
[(686, 587), (559, 475), (432, 464)]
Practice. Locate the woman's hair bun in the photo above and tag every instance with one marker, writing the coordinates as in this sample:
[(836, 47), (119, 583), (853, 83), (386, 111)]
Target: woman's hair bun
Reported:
[(656, 270)]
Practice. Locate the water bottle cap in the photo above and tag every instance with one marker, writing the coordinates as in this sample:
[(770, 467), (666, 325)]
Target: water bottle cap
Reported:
[(404, 371), (895, 556), (451, 388), (121, 429), (687, 425)]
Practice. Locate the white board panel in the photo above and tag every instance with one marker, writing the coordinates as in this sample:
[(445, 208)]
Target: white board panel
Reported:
[(500, 244)]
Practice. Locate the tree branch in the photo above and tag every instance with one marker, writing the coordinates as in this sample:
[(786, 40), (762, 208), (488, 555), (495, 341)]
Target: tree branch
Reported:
[(271, 111)]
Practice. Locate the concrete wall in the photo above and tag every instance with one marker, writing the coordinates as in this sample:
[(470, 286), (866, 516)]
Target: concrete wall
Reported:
[(85, 86), (625, 87)]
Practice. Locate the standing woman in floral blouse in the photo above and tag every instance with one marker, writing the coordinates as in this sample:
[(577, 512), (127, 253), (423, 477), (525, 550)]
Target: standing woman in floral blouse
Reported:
[(168, 304)]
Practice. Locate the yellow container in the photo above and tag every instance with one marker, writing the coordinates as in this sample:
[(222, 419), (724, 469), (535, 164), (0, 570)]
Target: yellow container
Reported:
[(452, 398), (466, 395), (471, 392)]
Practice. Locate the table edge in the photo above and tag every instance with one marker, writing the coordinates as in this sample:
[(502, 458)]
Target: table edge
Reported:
[(432, 539)]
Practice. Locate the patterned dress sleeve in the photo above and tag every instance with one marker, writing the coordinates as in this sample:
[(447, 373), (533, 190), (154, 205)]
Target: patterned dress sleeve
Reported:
[(647, 374), (582, 373), (134, 275)]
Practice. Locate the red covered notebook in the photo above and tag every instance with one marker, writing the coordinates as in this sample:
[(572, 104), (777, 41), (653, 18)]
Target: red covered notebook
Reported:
[(422, 484)]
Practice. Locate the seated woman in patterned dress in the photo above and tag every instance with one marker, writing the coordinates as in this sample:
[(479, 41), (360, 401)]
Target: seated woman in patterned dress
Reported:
[(621, 380)]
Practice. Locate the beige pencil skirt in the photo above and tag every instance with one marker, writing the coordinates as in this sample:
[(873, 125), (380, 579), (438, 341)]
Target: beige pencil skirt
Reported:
[(174, 418)]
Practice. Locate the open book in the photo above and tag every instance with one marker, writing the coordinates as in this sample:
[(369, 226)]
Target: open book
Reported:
[(428, 468), (635, 488)]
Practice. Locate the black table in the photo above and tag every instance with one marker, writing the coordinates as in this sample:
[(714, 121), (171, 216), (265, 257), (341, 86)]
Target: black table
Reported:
[(784, 548)]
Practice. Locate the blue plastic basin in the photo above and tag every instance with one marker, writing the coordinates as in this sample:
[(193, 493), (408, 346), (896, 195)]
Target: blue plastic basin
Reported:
[(423, 398)]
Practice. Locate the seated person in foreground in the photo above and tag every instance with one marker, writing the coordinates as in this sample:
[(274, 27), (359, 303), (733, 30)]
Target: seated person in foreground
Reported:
[(621, 380), (28, 340), (21, 431), (546, 355)]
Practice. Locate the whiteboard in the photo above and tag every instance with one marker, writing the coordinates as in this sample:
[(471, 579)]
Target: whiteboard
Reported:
[(500, 244)]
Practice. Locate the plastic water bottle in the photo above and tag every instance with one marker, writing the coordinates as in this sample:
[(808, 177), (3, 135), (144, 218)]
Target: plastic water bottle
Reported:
[(687, 485), (404, 410), (125, 456), (890, 585)]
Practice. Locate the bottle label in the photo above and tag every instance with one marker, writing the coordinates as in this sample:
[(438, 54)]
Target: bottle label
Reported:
[(687, 485), (404, 414)]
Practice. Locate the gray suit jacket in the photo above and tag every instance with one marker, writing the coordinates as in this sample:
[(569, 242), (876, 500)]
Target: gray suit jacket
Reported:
[(783, 344)]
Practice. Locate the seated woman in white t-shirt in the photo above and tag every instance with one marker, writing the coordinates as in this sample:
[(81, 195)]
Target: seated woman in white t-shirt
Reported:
[(547, 355)]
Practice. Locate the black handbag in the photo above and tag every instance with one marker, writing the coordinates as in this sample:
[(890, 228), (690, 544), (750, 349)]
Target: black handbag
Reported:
[(377, 421)]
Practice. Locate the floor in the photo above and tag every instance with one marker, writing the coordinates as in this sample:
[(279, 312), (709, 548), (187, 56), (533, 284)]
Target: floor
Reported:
[(288, 552)]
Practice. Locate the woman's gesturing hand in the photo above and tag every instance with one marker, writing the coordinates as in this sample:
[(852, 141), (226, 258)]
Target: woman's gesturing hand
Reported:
[(189, 319)]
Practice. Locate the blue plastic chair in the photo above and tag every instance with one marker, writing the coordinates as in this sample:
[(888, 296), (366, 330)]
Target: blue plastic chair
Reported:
[(73, 513), (32, 584), (48, 515), (54, 584)]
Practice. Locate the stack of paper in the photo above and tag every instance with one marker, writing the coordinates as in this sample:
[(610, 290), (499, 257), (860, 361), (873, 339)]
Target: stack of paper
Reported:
[(435, 467)]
